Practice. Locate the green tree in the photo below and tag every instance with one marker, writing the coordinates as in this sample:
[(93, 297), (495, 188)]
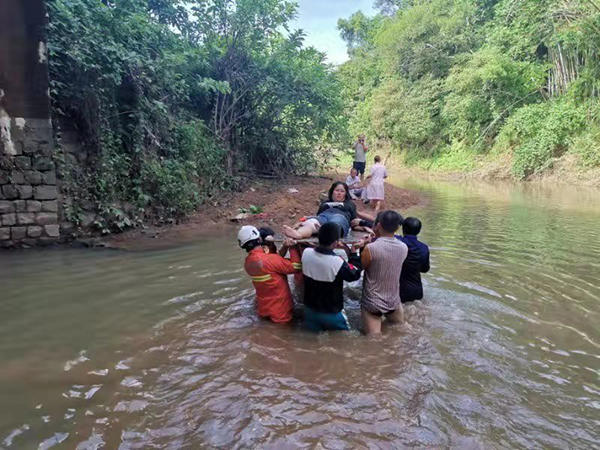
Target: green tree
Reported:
[(358, 30), (173, 95), (447, 80), (485, 90)]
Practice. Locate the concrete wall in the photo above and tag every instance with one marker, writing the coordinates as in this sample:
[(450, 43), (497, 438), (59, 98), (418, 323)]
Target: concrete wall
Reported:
[(28, 191)]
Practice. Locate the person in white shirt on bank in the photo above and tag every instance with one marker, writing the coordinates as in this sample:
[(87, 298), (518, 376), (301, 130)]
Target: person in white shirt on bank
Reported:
[(354, 184)]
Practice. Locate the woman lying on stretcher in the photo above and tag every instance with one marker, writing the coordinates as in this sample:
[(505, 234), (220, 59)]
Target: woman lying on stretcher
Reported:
[(338, 208)]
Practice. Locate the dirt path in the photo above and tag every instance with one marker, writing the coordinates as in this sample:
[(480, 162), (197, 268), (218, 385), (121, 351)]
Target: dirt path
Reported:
[(281, 202)]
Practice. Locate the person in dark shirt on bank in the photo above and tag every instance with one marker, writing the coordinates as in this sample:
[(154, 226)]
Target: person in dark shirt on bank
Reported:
[(324, 275), (416, 261)]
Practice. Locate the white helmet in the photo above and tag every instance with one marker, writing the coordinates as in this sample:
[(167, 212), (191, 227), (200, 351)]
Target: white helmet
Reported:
[(246, 234)]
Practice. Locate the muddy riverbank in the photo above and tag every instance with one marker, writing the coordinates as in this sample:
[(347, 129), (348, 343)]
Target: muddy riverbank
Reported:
[(275, 202)]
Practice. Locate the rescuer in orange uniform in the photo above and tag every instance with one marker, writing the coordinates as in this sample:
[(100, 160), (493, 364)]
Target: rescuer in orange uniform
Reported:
[(269, 275)]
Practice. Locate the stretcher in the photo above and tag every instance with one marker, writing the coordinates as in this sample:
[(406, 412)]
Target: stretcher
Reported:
[(352, 238)]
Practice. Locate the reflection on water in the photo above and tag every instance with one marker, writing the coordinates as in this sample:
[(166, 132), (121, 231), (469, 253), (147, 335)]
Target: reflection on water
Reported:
[(162, 348)]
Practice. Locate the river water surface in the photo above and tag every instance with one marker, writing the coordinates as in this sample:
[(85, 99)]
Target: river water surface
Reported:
[(161, 349)]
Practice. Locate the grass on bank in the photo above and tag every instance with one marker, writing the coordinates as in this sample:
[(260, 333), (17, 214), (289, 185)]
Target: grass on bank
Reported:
[(518, 154)]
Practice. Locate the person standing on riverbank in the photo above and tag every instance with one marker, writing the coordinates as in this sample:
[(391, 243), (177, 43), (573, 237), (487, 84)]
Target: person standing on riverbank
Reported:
[(269, 275), (324, 276), (360, 157), (417, 261), (376, 186), (382, 262)]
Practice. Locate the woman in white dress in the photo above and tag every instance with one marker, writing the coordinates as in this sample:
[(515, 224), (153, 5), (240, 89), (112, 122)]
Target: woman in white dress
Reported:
[(375, 188)]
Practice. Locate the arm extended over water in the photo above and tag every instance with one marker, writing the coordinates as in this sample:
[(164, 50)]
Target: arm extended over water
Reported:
[(286, 266)]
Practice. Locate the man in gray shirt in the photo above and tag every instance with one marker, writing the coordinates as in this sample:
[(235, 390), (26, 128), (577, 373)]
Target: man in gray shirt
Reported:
[(382, 262), (360, 150)]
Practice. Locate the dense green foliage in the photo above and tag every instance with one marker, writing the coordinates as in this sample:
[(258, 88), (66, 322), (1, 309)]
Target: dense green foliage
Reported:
[(450, 82), (176, 99)]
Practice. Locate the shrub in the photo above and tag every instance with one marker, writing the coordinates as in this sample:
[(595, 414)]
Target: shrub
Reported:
[(455, 157), (172, 186), (406, 113), (537, 133), (485, 90), (587, 146), (192, 171), (194, 143)]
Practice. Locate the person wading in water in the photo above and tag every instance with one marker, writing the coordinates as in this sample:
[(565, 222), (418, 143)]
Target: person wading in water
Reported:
[(416, 262), (324, 276), (269, 275), (382, 262)]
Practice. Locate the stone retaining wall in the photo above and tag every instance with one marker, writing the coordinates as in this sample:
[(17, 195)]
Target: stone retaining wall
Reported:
[(28, 192)]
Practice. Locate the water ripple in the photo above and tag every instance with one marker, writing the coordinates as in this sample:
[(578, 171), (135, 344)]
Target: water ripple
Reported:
[(501, 353)]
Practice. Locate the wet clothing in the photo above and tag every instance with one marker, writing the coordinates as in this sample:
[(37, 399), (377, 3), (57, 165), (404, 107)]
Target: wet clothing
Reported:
[(417, 261), (269, 276), (376, 188), (324, 276), (341, 213), (359, 166), (382, 261), (317, 321), (382, 314)]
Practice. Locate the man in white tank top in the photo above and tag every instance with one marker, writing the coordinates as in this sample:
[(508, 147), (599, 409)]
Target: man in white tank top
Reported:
[(382, 262)]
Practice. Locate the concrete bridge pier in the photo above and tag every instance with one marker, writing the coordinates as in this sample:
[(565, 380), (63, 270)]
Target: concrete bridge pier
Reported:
[(28, 186)]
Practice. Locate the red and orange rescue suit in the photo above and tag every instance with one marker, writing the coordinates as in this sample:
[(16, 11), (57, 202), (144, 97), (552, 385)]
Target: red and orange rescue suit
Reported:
[(269, 276)]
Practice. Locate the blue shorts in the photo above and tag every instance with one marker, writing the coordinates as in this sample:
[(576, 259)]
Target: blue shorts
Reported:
[(359, 166), (331, 215), (318, 321)]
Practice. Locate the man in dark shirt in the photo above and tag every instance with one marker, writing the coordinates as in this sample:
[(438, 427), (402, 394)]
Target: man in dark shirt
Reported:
[(417, 261), (324, 276)]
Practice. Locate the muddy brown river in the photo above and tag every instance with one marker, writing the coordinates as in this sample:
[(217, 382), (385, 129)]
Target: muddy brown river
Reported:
[(162, 349)]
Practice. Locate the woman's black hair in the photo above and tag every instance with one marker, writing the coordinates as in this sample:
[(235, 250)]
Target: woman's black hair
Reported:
[(265, 231), (251, 245), (332, 188)]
